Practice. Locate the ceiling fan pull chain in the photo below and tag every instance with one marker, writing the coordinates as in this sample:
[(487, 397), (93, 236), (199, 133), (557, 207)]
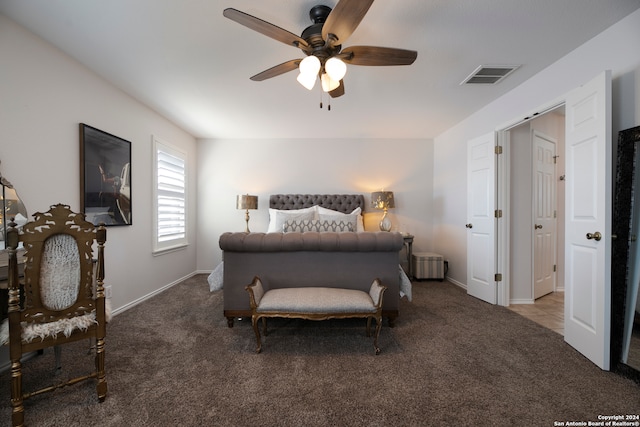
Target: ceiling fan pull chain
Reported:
[(320, 98)]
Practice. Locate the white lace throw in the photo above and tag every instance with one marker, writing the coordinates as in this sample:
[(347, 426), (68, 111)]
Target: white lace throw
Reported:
[(43, 330)]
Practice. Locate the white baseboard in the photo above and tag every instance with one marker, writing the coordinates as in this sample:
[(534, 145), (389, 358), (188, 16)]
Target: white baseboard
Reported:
[(455, 282), (149, 295)]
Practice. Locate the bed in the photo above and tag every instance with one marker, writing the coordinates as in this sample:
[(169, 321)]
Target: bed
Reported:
[(312, 240)]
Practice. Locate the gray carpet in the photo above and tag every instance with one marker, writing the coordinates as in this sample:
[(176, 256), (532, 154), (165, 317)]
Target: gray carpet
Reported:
[(450, 360)]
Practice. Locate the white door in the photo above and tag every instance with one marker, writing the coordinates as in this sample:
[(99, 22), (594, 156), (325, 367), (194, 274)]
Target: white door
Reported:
[(544, 214), (588, 219), (481, 245)]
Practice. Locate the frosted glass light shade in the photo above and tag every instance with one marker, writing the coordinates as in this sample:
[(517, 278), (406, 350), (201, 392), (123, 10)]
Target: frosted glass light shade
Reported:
[(336, 68), (307, 80), (310, 65), (328, 84)]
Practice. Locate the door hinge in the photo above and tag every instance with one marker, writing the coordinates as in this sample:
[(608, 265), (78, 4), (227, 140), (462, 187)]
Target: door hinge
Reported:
[(555, 159), (498, 149), (498, 213), (498, 277), (555, 214), (555, 268)]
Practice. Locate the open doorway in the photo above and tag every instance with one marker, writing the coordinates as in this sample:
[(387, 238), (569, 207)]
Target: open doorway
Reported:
[(536, 229), (585, 270)]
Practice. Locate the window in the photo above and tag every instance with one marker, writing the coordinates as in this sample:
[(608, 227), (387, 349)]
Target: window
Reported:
[(170, 197)]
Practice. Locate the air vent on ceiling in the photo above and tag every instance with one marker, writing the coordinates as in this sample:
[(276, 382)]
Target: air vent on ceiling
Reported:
[(489, 74)]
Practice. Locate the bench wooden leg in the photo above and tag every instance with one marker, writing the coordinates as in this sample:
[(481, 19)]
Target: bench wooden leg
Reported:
[(375, 340)]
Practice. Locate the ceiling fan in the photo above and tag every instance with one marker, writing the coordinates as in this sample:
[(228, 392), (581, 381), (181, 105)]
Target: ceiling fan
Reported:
[(322, 43)]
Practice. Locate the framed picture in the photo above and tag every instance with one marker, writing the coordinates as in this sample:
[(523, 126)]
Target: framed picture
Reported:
[(105, 177)]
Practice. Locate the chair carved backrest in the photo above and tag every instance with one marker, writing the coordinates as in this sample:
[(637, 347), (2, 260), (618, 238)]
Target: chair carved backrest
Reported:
[(63, 300), (58, 273)]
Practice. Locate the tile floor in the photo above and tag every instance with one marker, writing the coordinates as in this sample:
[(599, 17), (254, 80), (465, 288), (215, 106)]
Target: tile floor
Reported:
[(547, 311)]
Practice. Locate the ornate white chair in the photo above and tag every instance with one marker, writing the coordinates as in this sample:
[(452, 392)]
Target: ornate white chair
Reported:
[(63, 301)]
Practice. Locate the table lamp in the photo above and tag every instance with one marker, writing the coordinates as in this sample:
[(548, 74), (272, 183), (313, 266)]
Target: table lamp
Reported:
[(247, 202), (383, 200)]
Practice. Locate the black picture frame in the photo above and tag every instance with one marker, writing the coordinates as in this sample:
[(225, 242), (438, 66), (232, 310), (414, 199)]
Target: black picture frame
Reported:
[(105, 177)]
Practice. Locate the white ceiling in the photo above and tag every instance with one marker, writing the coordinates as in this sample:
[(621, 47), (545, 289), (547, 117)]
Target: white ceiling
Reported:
[(192, 65)]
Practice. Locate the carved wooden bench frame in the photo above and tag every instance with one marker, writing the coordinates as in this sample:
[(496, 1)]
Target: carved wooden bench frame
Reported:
[(257, 293)]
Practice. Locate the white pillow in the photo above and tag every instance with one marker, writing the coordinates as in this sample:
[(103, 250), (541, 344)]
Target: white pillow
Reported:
[(277, 217), (356, 211)]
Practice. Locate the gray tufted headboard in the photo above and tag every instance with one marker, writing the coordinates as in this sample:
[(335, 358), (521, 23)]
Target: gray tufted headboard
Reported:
[(344, 203)]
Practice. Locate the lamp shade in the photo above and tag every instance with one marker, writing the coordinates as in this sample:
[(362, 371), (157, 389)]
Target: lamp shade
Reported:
[(246, 201), (382, 200)]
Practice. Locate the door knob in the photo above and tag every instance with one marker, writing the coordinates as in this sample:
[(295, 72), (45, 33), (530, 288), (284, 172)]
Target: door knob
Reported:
[(469, 225), (537, 226), (595, 236)]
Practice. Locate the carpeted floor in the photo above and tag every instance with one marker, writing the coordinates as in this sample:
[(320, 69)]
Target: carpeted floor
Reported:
[(450, 360)]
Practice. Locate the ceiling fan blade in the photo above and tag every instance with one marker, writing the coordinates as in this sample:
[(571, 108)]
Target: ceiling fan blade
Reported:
[(339, 91), (375, 55), (343, 20), (266, 28), (285, 67)]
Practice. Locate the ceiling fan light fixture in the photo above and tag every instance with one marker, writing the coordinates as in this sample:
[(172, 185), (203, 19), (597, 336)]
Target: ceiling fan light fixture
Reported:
[(336, 68), (310, 65), (328, 84), (322, 43), (307, 80)]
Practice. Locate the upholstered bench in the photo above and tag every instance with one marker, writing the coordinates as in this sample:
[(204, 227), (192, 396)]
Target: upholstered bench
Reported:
[(315, 303)]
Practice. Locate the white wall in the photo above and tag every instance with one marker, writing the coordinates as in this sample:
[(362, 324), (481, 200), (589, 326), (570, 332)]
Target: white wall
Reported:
[(44, 95), (613, 49), (262, 167)]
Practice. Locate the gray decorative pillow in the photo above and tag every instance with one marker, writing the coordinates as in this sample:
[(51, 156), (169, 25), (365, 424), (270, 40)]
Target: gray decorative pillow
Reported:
[(282, 217), (299, 225), (336, 226), (302, 225), (340, 218)]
